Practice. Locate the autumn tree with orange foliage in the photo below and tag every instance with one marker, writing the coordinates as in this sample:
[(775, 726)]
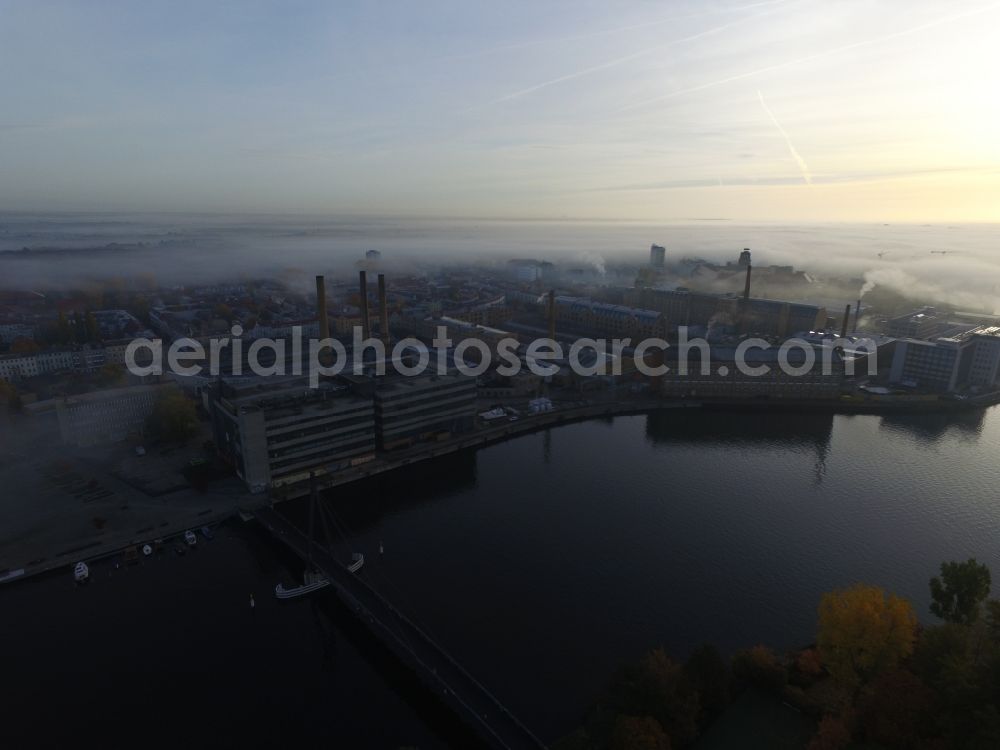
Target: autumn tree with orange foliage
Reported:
[(639, 733), (833, 734), (863, 632)]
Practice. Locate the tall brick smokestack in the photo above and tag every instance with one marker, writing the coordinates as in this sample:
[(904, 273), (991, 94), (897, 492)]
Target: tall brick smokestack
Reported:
[(847, 319), (321, 316), (383, 311), (552, 314), (746, 286), (363, 304), (857, 315)]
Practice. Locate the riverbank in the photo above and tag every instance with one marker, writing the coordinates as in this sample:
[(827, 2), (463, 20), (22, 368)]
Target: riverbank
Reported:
[(576, 412), (129, 516)]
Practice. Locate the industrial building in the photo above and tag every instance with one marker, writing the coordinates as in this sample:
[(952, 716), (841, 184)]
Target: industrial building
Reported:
[(408, 409), (278, 430), (924, 323), (725, 380), (609, 320), (683, 307)]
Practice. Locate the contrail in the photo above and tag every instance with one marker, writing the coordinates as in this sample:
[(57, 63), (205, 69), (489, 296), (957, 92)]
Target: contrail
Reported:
[(627, 58), (815, 56), (791, 147), (617, 30)]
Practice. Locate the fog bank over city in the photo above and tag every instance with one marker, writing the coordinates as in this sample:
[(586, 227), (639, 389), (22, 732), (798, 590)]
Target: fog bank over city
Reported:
[(957, 264)]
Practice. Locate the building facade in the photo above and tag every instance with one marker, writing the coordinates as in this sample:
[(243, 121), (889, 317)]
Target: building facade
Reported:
[(408, 409), (103, 417), (278, 431)]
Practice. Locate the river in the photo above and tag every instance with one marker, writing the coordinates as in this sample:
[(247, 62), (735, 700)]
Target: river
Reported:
[(541, 563)]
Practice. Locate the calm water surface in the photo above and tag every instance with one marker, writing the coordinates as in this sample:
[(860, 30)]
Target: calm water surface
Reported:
[(542, 564)]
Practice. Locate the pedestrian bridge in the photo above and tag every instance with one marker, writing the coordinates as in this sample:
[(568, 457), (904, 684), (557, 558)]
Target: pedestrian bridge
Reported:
[(462, 692)]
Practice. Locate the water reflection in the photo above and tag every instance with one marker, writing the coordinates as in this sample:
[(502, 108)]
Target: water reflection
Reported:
[(706, 426), (966, 426), (362, 505)]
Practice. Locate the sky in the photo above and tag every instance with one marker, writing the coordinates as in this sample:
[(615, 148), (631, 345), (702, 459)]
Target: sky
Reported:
[(747, 110)]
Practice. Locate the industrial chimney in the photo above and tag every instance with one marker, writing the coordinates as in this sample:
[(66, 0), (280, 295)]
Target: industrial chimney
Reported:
[(552, 314), (383, 311), (363, 304), (857, 315), (847, 319), (321, 316), (746, 287)]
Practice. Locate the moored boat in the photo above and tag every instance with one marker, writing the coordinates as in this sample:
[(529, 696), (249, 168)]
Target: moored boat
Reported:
[(311, 582), (81, 573), (357, 560)]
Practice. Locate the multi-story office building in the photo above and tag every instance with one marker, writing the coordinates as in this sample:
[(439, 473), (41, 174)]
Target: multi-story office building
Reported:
[(414, 408), (984, 367), (928, 365), (969, 359), (277, 431)]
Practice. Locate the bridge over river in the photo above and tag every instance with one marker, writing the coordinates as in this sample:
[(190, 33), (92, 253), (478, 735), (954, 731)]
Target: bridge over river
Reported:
[(462, 692)]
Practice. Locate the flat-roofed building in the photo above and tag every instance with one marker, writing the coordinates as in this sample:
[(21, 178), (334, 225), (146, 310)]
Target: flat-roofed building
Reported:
[(928, 365), (426, 406), (606, 319), (17, 366), (984, 367), (101, 417), (924, 323), (277, 431)]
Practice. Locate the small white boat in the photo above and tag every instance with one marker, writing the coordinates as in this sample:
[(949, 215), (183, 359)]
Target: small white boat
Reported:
[(81, 573), (357, 560), (147, 550), (311, 582), (190, 538)]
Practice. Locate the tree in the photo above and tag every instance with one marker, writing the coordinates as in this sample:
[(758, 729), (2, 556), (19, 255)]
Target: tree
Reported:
[(993, 620), (63, 331), (710, 676), (960, 591), (8, 393), (174, 419), (863, 632), (760, 667), (658, 687), (639, 733), (111, 373), (93, 331), (23, 346), (897, 711), (833, 734)]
